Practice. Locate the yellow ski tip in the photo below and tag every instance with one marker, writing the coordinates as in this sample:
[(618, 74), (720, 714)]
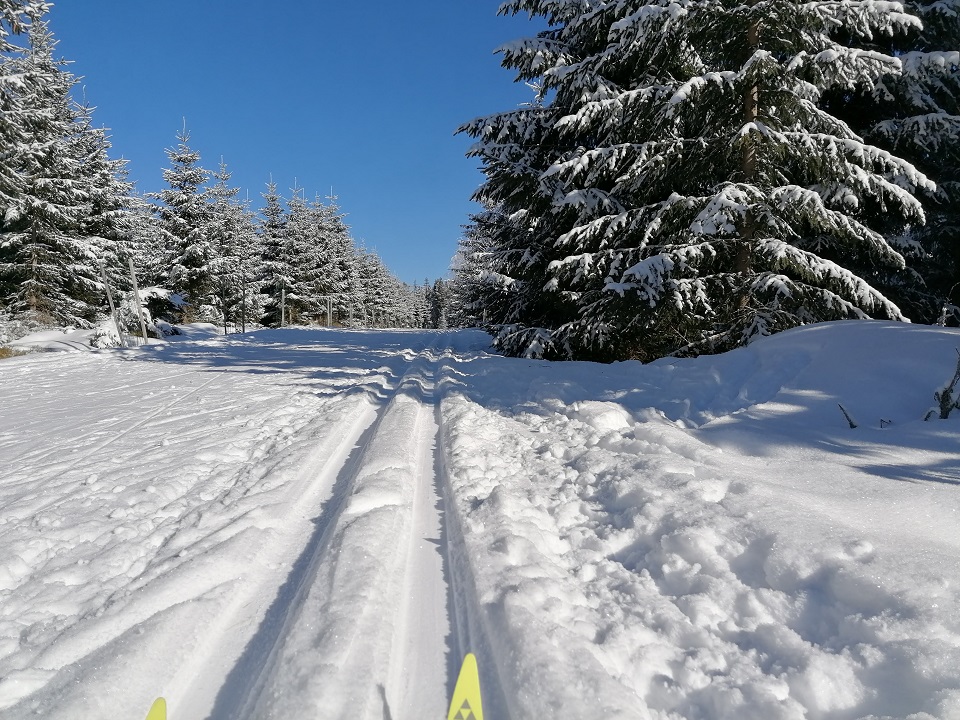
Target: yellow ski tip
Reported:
[(466, 703), (158, 711)]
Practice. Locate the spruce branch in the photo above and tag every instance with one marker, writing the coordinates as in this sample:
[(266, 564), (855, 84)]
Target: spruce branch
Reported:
[(850, 421), (946, 397)]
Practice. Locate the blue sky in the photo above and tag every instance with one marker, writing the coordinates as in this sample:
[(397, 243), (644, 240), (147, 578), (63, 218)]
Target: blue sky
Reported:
[(363, 97)]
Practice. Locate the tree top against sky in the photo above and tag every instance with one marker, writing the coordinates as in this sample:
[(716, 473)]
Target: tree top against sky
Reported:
[(363, 99)]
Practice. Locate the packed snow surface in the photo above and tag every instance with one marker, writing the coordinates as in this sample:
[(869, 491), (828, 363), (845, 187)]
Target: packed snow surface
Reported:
[(320, 523)]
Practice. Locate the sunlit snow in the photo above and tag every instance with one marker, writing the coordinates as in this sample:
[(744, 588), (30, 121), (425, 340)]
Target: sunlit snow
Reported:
[(319, 524)]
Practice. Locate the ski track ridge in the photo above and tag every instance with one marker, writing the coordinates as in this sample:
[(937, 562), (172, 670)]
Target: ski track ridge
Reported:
[(470, 632), (244, 686)]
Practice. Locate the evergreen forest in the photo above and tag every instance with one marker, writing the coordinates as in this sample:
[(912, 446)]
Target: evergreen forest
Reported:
[(690, 175), (687, 176), (73, 229)]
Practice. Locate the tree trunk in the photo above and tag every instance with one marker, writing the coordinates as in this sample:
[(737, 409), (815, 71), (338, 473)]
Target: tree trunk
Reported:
[(751, 102)]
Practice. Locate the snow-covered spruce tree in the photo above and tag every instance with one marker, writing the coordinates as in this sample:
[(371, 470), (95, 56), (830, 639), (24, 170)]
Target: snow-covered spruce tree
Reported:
[(402, 301), (696, 196), (15, 16), (420, 304), (184, 214), (234, 260), (109, 221), (250, 268), (275, 277), (339, 277), (916, 115), (322, 261), (439, 297), (305, 256), (49, 261), (147, 245), (385, 300), (517, 147), (485, 293)]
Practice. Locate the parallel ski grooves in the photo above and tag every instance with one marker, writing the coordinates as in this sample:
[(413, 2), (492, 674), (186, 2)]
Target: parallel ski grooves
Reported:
[(242, 687), (247, 692), (421, 654)]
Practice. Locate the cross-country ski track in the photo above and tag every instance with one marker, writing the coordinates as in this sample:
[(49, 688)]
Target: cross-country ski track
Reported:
[(320, 524), (350, 619)]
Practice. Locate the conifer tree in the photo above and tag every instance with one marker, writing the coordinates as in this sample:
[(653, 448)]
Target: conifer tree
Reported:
[(379, 296), (916, 114), (517, 147), (48, 259), (147, 241), (682, 191), (499, 283), (184, 217), (275, 277), (108, 221), (234, 253), (320, 258), (15, 17), (340, 274), (304, 257), (478, 290), (438, 297)]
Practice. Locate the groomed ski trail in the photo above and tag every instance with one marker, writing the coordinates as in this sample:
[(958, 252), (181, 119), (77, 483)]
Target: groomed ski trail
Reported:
[(339, 604), (422, 657), (363, 629)]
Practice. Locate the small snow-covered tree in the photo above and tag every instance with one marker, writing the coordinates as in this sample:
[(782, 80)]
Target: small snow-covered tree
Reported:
[(275, 279), (438, 297), (680, 190), (420, 306), (184, 214), (48, 257), (234, 253)]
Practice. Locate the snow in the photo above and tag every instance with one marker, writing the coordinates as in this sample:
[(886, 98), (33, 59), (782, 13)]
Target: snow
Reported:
[(320, 523)]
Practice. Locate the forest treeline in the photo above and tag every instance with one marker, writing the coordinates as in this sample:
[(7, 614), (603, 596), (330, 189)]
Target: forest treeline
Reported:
[(688, 175), (71, 222)]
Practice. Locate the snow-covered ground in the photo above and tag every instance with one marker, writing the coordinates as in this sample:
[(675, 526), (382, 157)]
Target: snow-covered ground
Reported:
[(319, 523)]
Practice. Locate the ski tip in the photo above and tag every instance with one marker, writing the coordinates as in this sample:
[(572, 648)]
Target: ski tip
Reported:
[(466, 703), (158, 711)]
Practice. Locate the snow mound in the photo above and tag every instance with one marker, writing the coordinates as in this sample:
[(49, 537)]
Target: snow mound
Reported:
[(708, 538)]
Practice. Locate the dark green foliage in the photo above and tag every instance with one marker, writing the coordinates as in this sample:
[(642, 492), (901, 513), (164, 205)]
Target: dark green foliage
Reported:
[(677, 188)]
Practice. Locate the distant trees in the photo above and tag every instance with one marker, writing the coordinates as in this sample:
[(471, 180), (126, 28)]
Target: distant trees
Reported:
[(289, 264), (68, 215), (184, 211), (684, 180), (479, 289)]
